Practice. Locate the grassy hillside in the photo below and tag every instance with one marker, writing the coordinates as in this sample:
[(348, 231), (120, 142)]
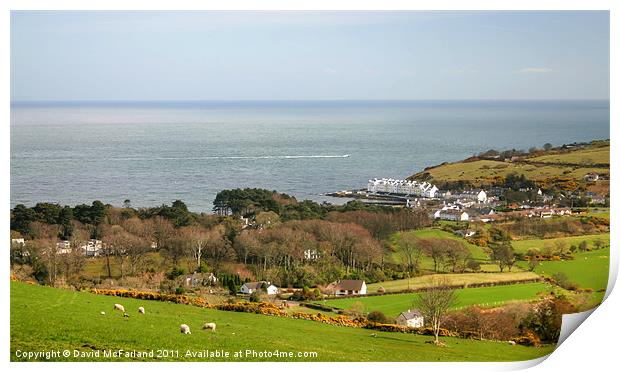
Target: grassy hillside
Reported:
[(572, 165), (455, 279), (593, 155), (44, 318), (392, 305), (522, 246), (588, 269)]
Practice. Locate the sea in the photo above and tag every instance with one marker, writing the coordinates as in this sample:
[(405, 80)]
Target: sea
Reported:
[(153, 153)]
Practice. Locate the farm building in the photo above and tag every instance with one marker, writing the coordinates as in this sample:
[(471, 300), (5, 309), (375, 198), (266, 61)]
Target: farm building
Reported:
[(251, 287), (410, 318), (350, 288)]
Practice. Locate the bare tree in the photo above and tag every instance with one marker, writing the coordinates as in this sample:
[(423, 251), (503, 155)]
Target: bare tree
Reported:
[(218, 247), (561, 245), (456, 255), (50, 258), (435, 302), (411, 250), (434, 248), (197, 239)]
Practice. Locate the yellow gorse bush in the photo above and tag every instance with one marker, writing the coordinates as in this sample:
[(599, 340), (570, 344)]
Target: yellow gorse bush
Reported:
[(142, 295)]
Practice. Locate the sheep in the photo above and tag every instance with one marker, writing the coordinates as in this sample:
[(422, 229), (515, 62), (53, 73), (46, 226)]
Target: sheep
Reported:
[(141, 310), (103, 313), (125, 315), (185, 329), (210, 326), (119, 307)]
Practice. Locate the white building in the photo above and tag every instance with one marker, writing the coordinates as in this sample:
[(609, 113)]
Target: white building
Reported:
[(410, 318), (350, 288), (451, 215), (401, 187), (18, 242), (251, 287), (479, 196), (63, 247), (92, 248), (311, 255)]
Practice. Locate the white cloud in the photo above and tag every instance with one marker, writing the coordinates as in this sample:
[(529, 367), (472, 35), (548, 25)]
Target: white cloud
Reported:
[(535, 70)]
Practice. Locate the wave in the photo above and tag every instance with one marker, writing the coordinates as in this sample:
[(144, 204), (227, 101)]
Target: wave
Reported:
[(205, 158)]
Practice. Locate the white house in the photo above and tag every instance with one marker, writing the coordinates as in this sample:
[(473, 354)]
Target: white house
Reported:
[(478, 195), (200, 279), (451, 215), (350, 288), (63, 247), (311, 255), (18, 242), (410, 318), (591, 177), (92, 248), (251, 287)]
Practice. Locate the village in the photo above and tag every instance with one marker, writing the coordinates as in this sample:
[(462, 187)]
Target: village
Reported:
[(468, 204)]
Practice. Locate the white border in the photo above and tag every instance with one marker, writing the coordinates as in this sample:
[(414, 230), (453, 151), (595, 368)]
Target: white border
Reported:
[(591, 346)]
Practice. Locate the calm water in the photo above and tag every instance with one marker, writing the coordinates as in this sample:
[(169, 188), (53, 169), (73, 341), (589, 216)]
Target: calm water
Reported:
[(154, 153)]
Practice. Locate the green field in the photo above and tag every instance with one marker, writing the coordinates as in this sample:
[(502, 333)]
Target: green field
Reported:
[(44, 318), (394, 304), (521, 246), (454, 279), (587, 270)]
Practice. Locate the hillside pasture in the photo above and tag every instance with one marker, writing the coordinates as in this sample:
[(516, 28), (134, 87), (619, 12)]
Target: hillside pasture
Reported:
[(522, 246), (587, 269), (44, 318), (454, 279), (393, 304)]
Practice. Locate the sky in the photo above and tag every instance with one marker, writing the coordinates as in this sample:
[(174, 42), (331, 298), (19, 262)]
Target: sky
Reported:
[(60, 56)]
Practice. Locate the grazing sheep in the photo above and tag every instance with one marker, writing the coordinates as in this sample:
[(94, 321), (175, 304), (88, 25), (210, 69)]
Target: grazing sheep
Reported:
[(373, 335), (119, 307), (125, 315), (185, 329), (141, 310), (103, 313), (210, 326), (511, 342)]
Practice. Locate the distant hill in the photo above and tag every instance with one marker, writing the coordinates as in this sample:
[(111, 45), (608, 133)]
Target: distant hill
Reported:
[(563, 167)]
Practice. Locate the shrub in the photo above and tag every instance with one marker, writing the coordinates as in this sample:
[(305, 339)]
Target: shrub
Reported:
[(255, 297), (529, 338), (175, 272), (563, 281), (378, 317), (473, 265)]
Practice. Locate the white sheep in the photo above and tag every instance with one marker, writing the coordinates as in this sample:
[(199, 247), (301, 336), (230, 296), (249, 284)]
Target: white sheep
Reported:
[(103, 313), (185, 329), (210, 326), (141, 310), (119, 307)]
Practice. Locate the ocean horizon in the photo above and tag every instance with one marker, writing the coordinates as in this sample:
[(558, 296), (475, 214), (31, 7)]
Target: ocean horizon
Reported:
[(153, 152)]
